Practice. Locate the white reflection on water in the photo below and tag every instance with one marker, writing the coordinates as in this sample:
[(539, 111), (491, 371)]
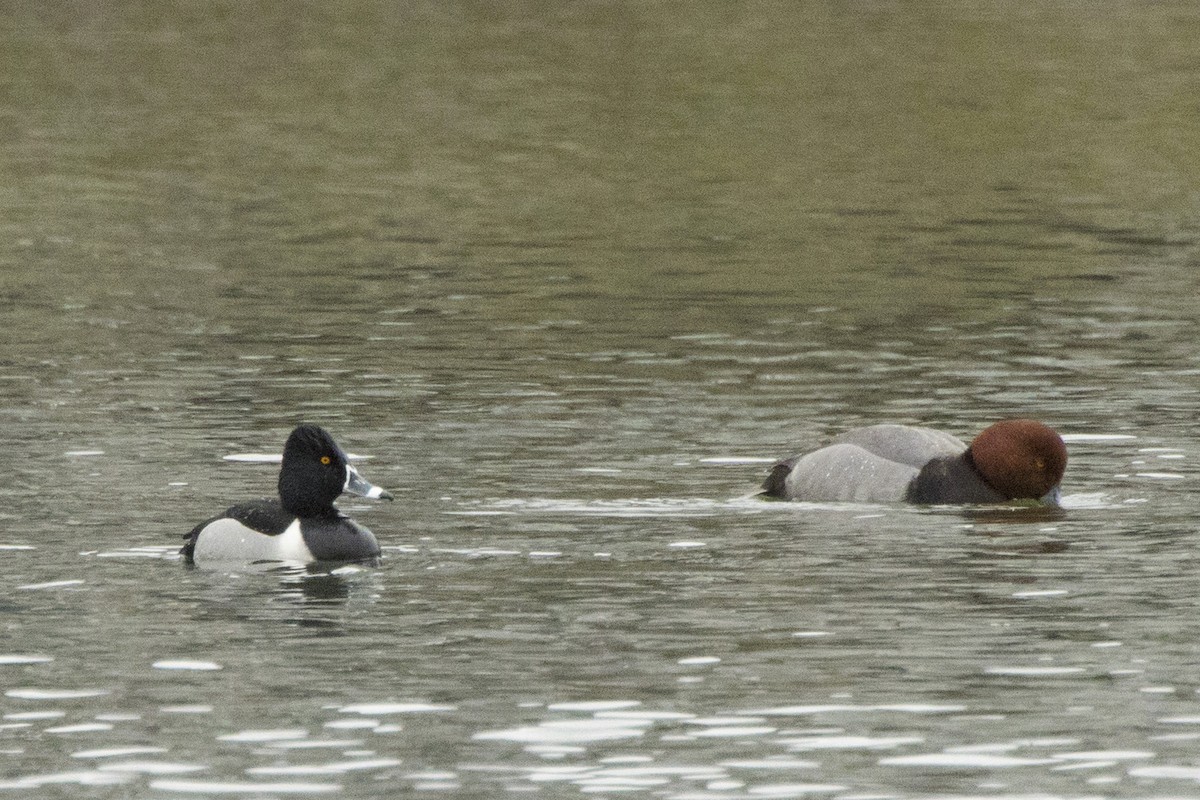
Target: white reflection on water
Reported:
[(83, 727), (596, 706), (275, 458), (24, 659), (185, 786), (151, 767), (1105, 755), (961, 761), (908, 708), (264, 735), (1033, 672), (1097, 437), (713, 779), (79, 778), (776, 762), (54, 694), (634, 772), (751, 504), (35, 715), (194, 708), (634, 507), (332, 768), (734, 731), (373, 709), (186, 664), (33, 587), (646, 716), (143, 551), (849, 742), (118, 752), (1187, 773), (315, 744), (569, 732), (352, 724)]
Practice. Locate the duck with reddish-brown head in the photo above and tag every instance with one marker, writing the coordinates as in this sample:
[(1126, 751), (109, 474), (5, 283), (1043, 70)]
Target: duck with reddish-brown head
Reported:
[(1015, 459)]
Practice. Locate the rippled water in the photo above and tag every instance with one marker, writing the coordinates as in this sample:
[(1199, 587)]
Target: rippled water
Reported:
[(570, 279)]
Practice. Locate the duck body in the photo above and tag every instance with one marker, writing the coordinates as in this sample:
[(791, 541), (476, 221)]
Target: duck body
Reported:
[(1011, 460), (262, 531), (302, 524)]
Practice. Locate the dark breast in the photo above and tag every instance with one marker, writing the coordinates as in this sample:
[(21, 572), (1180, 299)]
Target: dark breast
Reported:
[(951, 481), (338, 539)]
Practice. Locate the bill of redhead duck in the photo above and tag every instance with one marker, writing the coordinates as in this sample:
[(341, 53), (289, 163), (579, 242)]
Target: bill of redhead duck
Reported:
[(1014, 459)]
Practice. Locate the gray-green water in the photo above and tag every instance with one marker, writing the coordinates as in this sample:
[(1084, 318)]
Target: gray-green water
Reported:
[(571, 275)]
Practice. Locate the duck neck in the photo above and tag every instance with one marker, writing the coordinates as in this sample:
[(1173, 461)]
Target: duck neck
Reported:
[(309, 509), (969, 459), (951, 480)]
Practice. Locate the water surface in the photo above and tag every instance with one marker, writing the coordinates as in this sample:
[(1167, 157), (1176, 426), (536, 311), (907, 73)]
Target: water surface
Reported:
[(570, 279)]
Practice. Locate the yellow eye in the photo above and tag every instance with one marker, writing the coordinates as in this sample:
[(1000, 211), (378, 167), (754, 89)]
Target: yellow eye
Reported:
[(325, 459)]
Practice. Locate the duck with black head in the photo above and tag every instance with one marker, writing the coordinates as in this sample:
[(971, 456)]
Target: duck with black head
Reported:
[(1015, 459), (302, 523)]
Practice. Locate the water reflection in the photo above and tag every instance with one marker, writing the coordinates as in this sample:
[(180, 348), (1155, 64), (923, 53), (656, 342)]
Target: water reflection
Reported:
[(315, 596)]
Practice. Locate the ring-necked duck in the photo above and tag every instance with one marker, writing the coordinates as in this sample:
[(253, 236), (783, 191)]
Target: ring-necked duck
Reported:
[(1014, 459), (302, 524)]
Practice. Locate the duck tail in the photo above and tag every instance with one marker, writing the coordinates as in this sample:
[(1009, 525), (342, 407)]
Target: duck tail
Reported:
[(776, 483)]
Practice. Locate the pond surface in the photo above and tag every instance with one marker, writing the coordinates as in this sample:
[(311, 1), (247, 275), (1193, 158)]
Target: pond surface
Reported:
[(571, 278)]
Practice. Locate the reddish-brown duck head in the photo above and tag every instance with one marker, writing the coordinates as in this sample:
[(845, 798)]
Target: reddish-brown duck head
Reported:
[(1020, 458)]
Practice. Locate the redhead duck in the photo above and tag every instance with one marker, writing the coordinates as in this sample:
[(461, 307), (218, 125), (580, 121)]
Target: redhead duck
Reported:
[(1015, 459)]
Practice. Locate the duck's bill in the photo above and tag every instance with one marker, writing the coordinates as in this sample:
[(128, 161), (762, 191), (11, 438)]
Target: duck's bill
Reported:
[(1052, 497), (357, 484)]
